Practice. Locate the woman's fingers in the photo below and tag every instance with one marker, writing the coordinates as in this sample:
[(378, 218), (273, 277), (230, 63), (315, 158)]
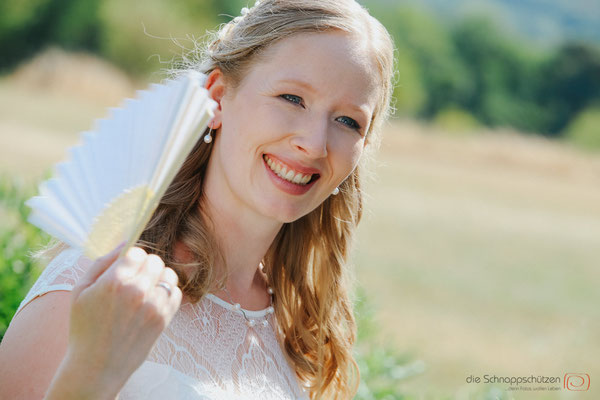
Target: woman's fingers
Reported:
[(165, 283), (169, 276), (129, 266), (166, 288), (150, 273), (96, 269), (156, 286), (118, 317), (147, 288)]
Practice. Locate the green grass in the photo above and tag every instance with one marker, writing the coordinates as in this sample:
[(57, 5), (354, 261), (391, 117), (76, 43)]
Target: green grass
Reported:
[(17, 271)]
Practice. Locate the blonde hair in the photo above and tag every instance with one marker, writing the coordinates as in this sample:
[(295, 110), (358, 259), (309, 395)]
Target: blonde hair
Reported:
[(306, 264)]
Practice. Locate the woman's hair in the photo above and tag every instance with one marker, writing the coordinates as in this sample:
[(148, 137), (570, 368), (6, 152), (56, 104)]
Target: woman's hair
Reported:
[(306, 264)]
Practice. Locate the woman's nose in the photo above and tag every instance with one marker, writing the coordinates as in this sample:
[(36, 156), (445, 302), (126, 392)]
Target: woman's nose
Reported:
[(312, 139)]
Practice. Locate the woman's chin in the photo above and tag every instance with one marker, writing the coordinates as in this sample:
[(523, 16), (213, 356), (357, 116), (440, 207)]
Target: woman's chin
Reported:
[(284, 212), (287, 216)]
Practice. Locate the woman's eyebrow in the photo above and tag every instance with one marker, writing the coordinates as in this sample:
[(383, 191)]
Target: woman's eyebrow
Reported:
[(303, 84)]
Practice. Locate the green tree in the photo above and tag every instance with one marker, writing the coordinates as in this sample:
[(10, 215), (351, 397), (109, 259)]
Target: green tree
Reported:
[(504, 75), (443, 75), (571, 82), (26, 26)]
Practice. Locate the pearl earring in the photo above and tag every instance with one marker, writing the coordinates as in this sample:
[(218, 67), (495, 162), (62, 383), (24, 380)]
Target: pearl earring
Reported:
[(208, 138), (336, 191)]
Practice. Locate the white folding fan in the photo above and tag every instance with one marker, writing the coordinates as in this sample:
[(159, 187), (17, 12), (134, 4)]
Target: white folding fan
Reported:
[(109, 188)]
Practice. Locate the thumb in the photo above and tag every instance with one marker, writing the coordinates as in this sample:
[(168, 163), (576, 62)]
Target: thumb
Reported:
[(96, 269)]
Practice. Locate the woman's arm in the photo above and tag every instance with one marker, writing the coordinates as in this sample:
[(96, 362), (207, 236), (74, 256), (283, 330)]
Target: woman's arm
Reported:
[(86, 343), (77, 379), (34, 348)]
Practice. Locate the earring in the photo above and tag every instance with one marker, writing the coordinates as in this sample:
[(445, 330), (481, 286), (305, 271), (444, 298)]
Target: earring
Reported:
[(336, 191), (208, 138)]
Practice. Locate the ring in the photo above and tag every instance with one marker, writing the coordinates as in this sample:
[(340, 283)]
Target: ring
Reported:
[(165, 286)]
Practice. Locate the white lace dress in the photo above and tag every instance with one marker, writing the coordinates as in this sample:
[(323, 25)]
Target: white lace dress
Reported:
[(207, 352)]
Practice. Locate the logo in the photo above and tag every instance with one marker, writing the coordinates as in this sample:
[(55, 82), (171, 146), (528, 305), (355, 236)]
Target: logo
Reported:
[(579, 382)]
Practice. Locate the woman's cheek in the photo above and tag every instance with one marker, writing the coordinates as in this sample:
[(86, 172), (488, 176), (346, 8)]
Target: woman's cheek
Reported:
[(351, 146), (358, 150), (284, 120)]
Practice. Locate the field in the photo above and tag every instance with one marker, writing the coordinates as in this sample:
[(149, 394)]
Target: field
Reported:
[(479, 252)]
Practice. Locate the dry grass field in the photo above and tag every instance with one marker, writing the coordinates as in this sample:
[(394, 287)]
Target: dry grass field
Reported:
[(479, 252)]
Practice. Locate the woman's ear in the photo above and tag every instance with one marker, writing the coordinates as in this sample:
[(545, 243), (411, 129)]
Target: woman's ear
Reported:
[(215, 84)]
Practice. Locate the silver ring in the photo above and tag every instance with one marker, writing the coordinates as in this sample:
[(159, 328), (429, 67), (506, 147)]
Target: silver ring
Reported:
[(165, 286)]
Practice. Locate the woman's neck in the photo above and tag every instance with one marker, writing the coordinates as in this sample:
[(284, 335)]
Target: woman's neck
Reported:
[(243, 238)]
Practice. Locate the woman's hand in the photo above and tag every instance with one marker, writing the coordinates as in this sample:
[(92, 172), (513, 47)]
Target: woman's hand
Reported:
[(118, 311)]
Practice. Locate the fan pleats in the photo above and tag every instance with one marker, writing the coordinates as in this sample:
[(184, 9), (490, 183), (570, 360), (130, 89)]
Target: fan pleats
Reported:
[(113, 181)]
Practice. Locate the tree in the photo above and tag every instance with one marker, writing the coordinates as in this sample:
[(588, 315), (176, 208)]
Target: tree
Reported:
[(571, 83), (505, 76), (28, 26)]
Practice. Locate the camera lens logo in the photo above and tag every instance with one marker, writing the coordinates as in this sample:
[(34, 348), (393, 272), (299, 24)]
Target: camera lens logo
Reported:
[(580, 382)]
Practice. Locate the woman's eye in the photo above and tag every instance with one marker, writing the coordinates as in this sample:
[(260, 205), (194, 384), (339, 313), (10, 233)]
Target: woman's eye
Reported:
[(292, 98), (350, 122)]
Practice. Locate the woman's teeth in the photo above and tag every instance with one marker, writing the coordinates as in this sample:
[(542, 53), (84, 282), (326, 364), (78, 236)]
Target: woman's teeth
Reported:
[(288, 174)]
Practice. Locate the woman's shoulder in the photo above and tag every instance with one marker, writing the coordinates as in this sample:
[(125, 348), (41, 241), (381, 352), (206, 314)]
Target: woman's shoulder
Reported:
[(62, 273)]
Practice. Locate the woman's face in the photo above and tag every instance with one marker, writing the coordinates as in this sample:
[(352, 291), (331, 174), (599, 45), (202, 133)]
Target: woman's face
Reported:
[(295, 127)]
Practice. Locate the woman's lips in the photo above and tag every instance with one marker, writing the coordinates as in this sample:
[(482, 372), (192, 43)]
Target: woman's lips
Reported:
[(299, 175), (288, 179)]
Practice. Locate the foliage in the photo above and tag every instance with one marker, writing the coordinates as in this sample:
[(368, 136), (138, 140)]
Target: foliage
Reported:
[(28, 26), (17, 239), (503, 76), (473, 65), (545, 22), (382, 368), (571, 83), (410, 93), (455, 120), (145, 39), (584, 131), (440, 76)]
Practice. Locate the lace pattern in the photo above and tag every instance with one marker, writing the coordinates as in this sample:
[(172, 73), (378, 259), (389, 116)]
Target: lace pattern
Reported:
[(206, 352), (62, 273)]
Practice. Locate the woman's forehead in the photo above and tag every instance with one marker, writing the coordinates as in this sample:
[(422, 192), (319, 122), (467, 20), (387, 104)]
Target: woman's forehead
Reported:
[(331, 61), (340, 49)]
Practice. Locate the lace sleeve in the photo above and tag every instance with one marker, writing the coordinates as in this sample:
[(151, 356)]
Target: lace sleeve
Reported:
[(62, 273)]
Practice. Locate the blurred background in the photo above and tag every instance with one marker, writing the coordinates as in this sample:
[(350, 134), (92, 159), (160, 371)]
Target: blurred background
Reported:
[(478, 253)]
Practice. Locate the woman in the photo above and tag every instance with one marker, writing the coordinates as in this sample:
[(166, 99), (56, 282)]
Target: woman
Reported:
[(255, 231)]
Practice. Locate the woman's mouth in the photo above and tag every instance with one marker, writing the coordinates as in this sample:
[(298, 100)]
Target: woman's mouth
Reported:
[(289, 179), (288, 173)]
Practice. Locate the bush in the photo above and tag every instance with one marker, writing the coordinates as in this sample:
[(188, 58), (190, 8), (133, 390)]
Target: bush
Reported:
[(584, 130), (28, 26), (382, 367), (17, 238), (455, 120)]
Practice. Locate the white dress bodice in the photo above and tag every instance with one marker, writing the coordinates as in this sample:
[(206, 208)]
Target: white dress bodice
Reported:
[(207, 351)]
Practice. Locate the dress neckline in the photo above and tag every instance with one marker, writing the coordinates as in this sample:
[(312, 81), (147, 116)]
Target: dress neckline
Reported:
[(229, 306)]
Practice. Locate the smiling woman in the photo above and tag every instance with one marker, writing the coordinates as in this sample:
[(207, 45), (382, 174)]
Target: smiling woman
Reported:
[(303, 117), (257, 226)]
